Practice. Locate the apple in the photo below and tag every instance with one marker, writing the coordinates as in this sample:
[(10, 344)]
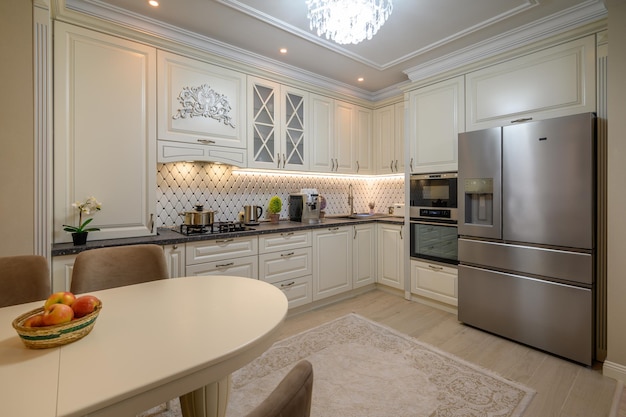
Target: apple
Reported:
[(57, 314), (34, 321), (61, 297), (84, 305)]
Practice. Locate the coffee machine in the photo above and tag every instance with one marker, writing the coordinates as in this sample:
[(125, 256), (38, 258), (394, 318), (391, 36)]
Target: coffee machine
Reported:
[(305, 206)]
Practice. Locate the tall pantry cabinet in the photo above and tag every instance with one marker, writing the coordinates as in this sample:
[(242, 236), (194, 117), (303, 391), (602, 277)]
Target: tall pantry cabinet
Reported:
[(104, 132)]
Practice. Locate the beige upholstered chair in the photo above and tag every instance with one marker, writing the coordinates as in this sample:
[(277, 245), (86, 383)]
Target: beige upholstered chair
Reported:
[(292, 396), (99, 269), (23, 278)]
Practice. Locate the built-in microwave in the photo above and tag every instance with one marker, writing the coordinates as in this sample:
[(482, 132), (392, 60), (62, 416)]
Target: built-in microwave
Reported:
[(434, 196)]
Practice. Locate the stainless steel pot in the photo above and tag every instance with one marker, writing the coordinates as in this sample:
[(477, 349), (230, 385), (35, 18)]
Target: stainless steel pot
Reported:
[(198, 216)]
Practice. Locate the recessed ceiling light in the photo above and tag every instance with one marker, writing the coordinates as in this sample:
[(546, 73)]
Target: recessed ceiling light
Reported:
[(153, 3), (360, 79), (283, 50)]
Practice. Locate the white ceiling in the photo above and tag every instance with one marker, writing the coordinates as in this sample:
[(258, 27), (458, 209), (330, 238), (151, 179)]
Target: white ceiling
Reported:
[(417, 34)]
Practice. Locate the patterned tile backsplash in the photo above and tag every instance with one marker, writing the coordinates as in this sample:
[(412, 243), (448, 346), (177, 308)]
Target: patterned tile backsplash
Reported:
[(182, 185)]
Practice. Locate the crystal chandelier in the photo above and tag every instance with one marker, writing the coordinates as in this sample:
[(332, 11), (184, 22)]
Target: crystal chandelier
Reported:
[(348, 21)]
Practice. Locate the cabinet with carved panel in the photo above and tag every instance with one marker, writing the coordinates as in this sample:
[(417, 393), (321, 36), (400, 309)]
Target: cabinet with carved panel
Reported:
[(388, 139), (199, 104), (276, 126)]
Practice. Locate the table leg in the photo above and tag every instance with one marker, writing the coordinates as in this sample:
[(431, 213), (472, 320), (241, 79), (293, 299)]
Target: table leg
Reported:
[(208, 401)]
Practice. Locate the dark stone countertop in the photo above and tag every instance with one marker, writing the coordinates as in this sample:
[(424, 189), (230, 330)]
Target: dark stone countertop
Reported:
[(169, 236)]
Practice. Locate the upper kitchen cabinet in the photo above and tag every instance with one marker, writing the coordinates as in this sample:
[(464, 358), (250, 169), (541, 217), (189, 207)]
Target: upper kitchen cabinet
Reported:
[(104, 132), (389, 139), (277, 130), (437, 116), (341, 142), (201, 111), (554, 82)]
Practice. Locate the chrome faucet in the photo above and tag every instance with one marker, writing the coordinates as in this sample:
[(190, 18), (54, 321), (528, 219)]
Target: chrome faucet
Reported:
[(350, 199)]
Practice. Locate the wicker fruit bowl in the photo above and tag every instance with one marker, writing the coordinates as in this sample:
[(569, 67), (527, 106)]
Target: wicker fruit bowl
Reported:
[(56, 335)]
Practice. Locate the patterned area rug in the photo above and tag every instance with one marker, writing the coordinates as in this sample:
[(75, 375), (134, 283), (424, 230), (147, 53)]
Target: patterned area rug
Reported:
[(362, 368)]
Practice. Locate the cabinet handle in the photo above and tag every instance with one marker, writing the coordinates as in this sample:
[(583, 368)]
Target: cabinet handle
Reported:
[(358, 167), (206, 141), (224, 265), (333, 229), (391, 165), (287, 234), (175, 247), (436, 268), (151, 222), (523, 119), (336, 164), (411, 165), (332, 167), (278, 160), (284, 160), (396, 165), (289, 284), (401, 237), (355, 231), (224, 241), (287, 254)]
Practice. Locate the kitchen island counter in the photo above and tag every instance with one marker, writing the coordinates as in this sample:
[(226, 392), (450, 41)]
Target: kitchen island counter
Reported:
[(170, 236)]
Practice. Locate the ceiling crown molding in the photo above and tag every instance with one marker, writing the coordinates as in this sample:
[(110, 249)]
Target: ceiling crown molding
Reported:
[(542, 29)]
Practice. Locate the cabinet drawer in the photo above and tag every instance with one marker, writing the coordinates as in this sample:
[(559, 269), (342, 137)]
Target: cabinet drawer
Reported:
[(240, 267), (299, 291), (284, 241), (434, 281), (279, 266), (220, 249)]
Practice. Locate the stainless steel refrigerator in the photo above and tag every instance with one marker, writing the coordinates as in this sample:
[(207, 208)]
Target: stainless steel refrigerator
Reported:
[(527, 233)]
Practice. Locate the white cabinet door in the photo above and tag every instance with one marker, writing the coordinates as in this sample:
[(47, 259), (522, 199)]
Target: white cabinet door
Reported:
[(264, 148), (62, 268), (364, 250), (434, 281), (104, 132), (556, 81), (200, 103), (321, 128), (363, 140), (332, 261), (220, 249), (437, 117), (391, 256), (293, 133), (344, 149), (288, 264), (175, 259), (389, 139), (384, 139)]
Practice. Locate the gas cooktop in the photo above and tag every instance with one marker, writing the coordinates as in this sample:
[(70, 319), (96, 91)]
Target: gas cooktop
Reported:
[(215, 228)]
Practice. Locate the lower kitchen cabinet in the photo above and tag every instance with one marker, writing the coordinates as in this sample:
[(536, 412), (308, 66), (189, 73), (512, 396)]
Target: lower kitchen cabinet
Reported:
[(285, 260), (364, 255), (175, 259), (246, 267), (231, 256), (332, 261), (434, 281), (391, 255), (62, 267)]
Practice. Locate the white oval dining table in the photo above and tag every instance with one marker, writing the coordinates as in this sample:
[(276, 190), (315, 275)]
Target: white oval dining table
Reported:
[(152, 342)]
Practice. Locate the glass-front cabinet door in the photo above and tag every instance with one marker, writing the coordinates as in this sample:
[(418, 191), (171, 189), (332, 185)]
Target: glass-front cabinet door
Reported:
[(277, 126)]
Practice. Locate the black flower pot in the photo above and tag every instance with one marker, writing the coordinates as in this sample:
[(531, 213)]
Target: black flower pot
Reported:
[(79, 238)]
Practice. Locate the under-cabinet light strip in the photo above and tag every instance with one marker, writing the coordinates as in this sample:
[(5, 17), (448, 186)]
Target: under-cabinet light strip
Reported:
[(295, 174)]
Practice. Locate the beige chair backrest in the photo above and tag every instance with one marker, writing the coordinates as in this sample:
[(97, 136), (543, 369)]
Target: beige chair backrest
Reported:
[(103, 268), (23, 279), (292, 396)]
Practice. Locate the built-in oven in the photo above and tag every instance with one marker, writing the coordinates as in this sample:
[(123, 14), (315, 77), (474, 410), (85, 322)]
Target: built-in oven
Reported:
[(434, 195), (433, 217)]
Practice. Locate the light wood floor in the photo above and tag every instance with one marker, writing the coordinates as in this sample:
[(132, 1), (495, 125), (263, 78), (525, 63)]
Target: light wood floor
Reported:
[(563, 388)]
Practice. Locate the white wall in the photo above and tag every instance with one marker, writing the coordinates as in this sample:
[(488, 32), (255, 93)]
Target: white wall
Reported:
[(16, 129), (615, 364)]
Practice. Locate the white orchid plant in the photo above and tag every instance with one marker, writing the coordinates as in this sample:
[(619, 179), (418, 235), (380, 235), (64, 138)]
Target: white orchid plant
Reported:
[(88, 207)]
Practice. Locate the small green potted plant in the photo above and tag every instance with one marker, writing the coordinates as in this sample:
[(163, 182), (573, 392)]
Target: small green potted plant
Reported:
[(79, 233), (274, 207)]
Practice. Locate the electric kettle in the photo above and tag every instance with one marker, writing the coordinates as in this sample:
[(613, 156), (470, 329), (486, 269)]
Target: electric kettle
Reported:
[(252, 214)]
